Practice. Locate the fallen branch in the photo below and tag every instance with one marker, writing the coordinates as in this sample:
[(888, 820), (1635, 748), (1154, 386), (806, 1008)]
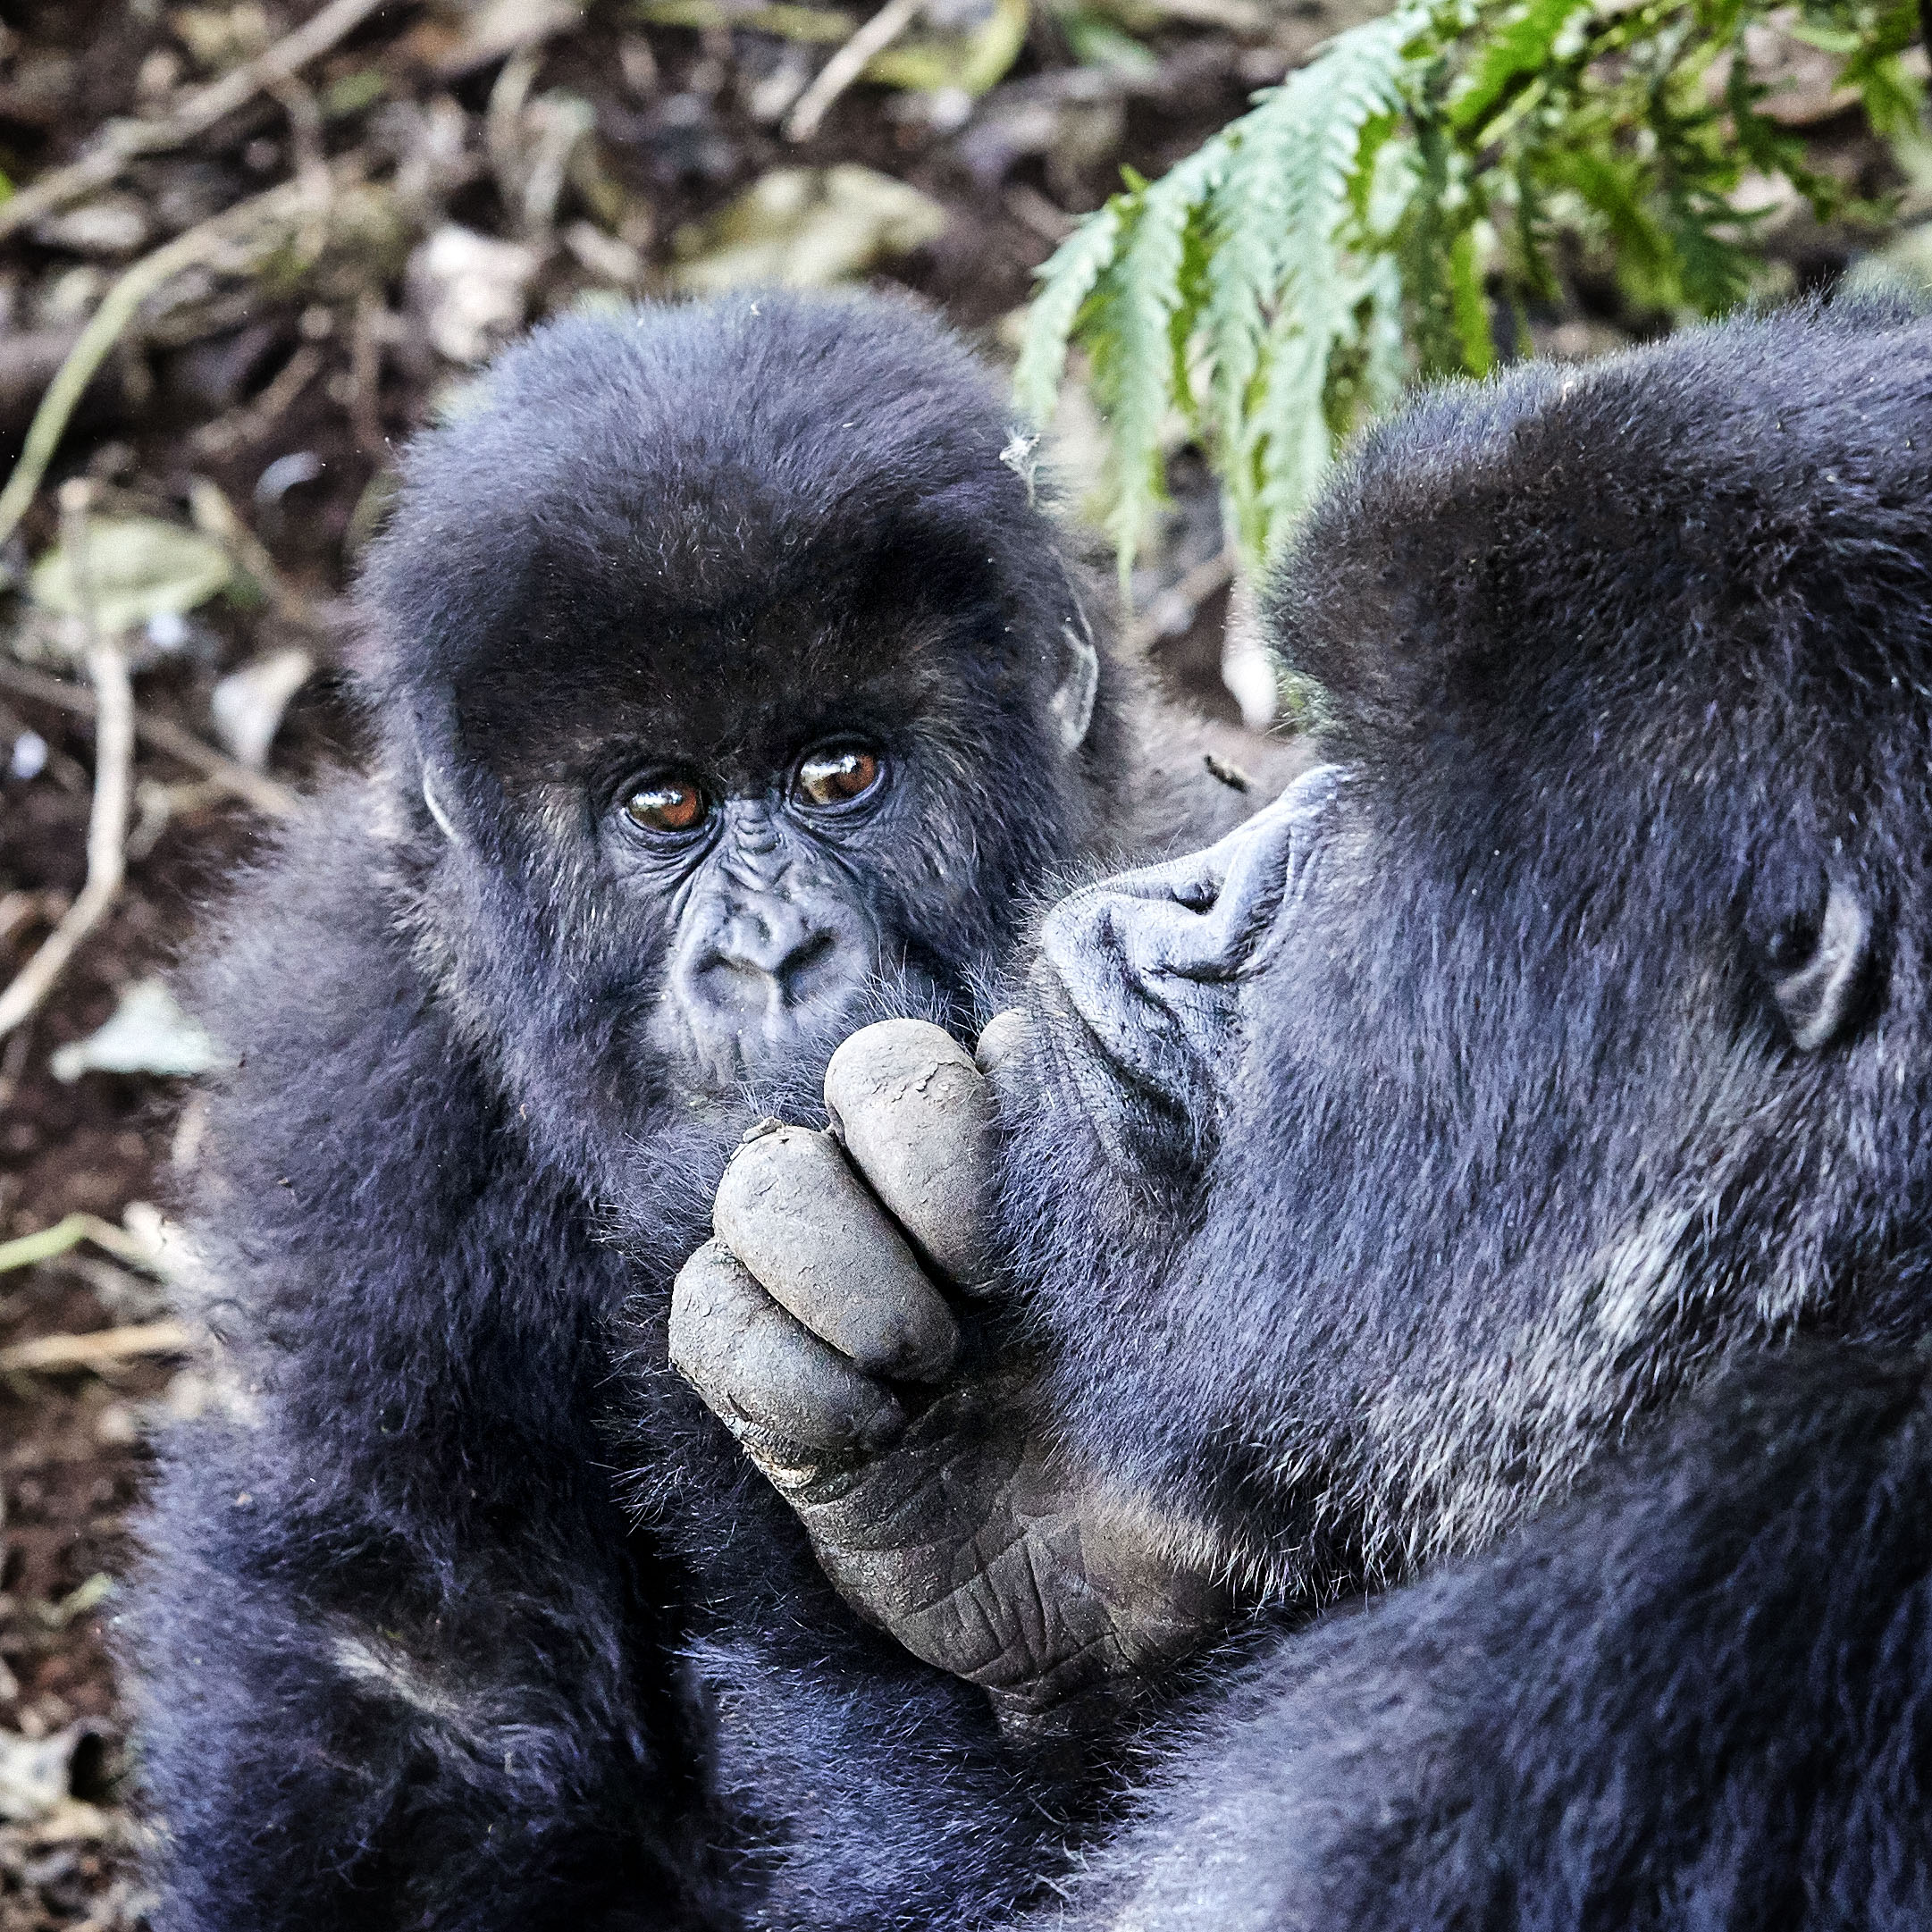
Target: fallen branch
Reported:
[(121, 141), (104, 327), (162, 735), (848, 63), (99, 1349), (113, 791)]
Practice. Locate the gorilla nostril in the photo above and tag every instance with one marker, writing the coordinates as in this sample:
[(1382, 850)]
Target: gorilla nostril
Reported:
[(783, 950), (807, 953)]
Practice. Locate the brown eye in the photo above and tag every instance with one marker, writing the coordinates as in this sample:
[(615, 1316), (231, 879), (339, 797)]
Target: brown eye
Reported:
[(831, 778), (666, 805)]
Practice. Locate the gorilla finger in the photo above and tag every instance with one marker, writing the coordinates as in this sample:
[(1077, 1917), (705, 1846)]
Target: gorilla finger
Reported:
[(793, 1211), (916, 1116), (768, 1379), (1000, 1050)]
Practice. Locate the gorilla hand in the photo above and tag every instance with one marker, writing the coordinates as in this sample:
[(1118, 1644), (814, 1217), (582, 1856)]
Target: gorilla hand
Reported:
[(941, 1508)]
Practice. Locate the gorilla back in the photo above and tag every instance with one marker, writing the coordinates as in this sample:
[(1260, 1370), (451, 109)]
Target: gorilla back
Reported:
[(719, 672)]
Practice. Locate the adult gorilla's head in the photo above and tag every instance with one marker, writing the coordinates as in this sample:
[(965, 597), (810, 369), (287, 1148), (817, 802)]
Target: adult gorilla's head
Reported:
[(723, 667), (1569, 1032)]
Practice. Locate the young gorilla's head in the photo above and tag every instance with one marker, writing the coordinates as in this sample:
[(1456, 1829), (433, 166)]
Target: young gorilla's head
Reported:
[(723, 667), (1568, 1031)]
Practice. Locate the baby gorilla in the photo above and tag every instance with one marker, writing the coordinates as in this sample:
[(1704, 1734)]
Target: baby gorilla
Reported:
[(1492, 1183), (728, 687)]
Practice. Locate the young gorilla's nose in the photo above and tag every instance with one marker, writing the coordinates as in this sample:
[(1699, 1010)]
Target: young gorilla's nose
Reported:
[(770, 954), (772, 946)]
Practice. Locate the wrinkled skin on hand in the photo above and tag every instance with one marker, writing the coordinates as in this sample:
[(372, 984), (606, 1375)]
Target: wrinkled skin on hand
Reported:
[(935, 1495)]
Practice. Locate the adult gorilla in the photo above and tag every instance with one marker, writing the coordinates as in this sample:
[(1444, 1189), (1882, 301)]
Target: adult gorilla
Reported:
[(1499, 1172)]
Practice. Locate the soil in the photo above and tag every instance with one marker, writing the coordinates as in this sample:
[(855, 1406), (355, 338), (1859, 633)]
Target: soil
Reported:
[(70, 1465)]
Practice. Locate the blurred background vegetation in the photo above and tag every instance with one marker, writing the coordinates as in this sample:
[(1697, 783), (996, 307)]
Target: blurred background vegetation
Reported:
[(245, 248)]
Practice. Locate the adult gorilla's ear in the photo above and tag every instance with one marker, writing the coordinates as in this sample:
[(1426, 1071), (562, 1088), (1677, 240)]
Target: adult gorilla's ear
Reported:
[(1071, 705), (1818, 967)]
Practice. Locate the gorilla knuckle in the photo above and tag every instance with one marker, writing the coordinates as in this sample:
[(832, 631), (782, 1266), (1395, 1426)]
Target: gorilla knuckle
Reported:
[(770, 1378), (915, 1114)]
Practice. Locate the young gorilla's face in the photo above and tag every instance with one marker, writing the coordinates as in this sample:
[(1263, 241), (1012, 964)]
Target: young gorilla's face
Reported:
[(741, 830), (730, 684)]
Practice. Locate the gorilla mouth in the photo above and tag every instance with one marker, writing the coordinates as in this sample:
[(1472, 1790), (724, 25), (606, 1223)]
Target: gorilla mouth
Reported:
[(1145, 973), (1135, 1114), (786, 1045)]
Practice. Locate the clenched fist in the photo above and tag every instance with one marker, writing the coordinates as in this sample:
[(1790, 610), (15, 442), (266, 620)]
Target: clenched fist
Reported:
[(817, 1327)]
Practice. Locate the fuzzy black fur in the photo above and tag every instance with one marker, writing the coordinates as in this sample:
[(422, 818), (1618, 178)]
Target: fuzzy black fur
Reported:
[(403, 1659), (1528, 1264), (1694, 1698)]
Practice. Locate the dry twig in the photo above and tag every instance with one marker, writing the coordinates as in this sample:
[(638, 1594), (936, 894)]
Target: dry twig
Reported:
[(49, 1244), (99, 1349), (848, 63), (163, 736), (120, 141), (226, 435), (114, 789)]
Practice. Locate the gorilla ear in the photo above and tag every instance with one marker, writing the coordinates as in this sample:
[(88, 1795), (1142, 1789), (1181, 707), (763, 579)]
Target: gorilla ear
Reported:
[(1817, 973), (1071, 705), (437, 811)]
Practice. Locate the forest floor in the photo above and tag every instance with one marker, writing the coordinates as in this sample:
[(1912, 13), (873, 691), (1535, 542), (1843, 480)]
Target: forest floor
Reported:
[(481, 164)]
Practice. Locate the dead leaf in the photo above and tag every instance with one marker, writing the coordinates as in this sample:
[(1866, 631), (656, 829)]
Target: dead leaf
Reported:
[(249, 705), (807, 227), (148, 1033), (468, 291), (132, 570), (36, 1774)]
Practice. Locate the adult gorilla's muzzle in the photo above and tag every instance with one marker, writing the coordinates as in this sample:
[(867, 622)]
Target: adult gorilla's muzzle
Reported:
[(1151, 962)]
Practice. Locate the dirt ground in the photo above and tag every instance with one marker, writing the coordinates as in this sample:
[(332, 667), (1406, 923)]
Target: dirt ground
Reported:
[(286, 388)]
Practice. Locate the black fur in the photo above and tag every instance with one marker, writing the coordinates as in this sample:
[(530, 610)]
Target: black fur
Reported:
[(1527, 1263), (1697, 1697), (403, 1662)]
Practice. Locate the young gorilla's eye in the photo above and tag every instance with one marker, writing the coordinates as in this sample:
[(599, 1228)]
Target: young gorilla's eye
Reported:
[(667, 805), (833, 777)]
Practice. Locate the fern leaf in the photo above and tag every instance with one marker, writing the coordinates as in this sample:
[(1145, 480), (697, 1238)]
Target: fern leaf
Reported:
[(1322, 250), (1066, 279), (1274, 265), (1136, 323), (1517, 53)]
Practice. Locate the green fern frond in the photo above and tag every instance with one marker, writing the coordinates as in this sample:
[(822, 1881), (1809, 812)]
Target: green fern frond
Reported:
[(1363, 222), (1137, 324), (1067, 279), (1521, 49), (1275, 271)]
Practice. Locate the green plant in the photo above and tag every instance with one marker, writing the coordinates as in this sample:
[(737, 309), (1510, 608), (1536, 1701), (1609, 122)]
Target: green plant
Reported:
[(1366, 222)]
